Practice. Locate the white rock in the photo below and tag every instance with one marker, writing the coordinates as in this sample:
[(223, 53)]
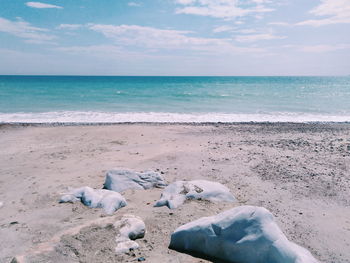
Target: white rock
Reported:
[(130, 228), (176, 193), (1, 204), (121, 180), (110, 201), (244, 234)]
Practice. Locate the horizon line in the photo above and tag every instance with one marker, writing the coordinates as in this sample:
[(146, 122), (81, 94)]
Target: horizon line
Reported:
[(85, 75)]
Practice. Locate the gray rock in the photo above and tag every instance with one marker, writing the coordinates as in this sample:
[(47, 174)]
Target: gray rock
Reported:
[(110, 201), (121, 180), (176, 193)]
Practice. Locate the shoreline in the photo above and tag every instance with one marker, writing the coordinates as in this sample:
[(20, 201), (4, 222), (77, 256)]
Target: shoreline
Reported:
[(100, 117), (266, 123), (298, 171)]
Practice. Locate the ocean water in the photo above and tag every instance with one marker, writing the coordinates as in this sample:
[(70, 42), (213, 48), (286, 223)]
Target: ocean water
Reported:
[(45, 99)]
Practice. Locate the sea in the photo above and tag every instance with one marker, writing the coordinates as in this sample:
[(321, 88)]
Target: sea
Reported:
[(100, 99)]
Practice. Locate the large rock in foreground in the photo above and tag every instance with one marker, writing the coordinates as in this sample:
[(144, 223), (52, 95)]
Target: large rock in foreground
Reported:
[(121, 180), (110, 201), (176, 193), (244, 234)]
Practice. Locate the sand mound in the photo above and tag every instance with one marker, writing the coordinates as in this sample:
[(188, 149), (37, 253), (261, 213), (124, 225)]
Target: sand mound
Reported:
[(97, 241)]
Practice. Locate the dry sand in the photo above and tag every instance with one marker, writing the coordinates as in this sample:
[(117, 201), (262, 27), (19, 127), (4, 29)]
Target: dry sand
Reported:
[(300, 172)]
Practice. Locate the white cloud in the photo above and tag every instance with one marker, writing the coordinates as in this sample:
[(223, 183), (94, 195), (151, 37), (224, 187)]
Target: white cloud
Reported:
[(107, 50), (186, 2), (226, 9), (261, 1), (323, 48), (153, 39), (135, 35), (279, 24), (338, 12), (134, 4), (42, 5), (69, 26), (257, 37), (23, 29), (220, 29), (247, 31)]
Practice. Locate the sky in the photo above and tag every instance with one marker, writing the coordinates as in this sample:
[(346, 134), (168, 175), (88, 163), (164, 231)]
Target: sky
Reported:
[(175, 37)]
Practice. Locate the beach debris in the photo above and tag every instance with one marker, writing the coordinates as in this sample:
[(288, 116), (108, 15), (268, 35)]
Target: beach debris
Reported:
[(98, 240), (130, 228), (110, 201), (119, 180), (176, 193), (245, 234)]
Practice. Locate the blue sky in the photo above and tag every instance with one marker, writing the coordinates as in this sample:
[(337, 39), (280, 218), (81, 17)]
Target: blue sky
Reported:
[(175, 37)]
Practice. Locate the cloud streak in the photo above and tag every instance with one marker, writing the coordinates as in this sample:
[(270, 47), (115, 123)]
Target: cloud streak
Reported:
[(69, 26), (134, 4), (258, 37), (226, 9), (322, 48), (23, 29), (164, 39), (42, 5), (221, 29), (334, 11)]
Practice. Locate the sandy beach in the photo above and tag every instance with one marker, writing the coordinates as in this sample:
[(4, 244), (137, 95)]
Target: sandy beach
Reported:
[(300, 172)]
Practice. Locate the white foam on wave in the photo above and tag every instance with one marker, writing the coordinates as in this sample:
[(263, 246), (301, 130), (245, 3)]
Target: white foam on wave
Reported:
[(157, 117)]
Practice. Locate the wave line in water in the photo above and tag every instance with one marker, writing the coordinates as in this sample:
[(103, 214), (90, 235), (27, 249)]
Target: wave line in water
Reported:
[(164, 117)]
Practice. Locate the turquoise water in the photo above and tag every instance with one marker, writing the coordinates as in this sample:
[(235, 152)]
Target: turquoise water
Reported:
[(119, 99)]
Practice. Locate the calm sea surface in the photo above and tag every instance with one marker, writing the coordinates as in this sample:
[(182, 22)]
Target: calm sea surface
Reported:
[(173, 99)]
